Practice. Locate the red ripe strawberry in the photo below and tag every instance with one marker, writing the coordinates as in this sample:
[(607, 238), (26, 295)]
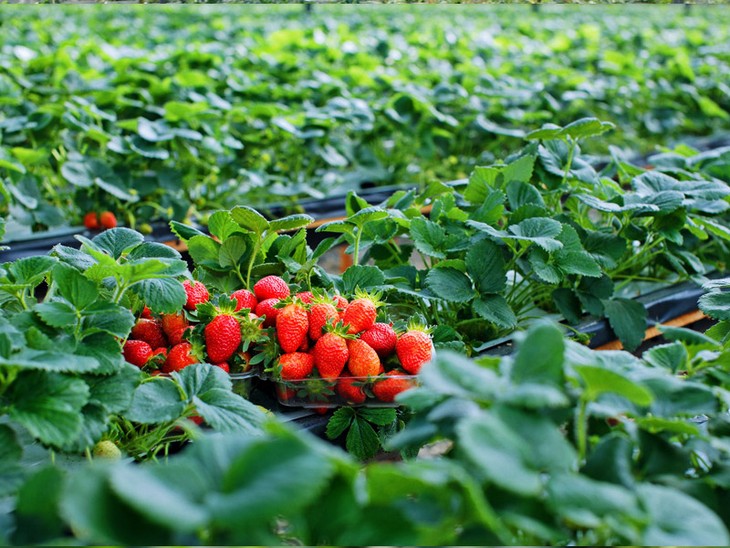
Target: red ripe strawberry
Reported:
[(197, 294), (305, 296), (413, 349), (107, 220), (318, 315), (296, 366), (179, 357), (149, 331), (285, 393), (330, 355), (340, 302), (91, 221), (245, 299), (350, 391), (222, 338), (266, 308), (364, 361), (395, 382), (360, 314), (224, 366), (292, 326), (271, 287), (174, 326), (381, 337), (146, 313), (137, 352)]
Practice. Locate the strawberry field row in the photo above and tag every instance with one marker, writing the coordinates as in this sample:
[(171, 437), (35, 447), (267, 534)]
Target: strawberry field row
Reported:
[(152, 127)]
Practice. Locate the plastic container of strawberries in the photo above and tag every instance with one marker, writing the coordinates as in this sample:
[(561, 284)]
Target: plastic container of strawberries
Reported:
[(318, 393)]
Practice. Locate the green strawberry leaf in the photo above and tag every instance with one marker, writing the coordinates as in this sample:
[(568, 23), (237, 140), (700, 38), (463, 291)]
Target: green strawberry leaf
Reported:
[(48, 405), (496, 309), (364, 277), (155, 402), (340, 421), (450, 284), (362, 440), (599, 380), (486, 266), (628, 320), (539, 357)]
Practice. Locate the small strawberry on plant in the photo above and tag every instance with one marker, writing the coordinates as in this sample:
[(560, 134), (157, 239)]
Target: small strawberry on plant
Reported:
[(224, 366), (197, 294), (364, 361), (414, 348), (91, 220), (146, 313), (107, 219), (360, 314), (382, 338), (106, 449), (222, 332), (305, 296), (271, 287), (137, 352)]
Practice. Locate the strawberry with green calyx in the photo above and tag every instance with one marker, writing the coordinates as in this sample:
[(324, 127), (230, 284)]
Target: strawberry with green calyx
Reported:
[(340, 302), (157, 361), (146, 313), (196, 292), (271, 287), (364, 361), (174, 326), (107, 219), (180, 356), (350, 389), (381, 337), (321, 313), (268, 309), (252, 332), (292, 326), (391, 385), (91, 221), (414, 348), (295, 366), (222, 332), (360, 314), (149, 331), (241, 362), (305, 296), (331, 353), (245, 299), (137, 352)]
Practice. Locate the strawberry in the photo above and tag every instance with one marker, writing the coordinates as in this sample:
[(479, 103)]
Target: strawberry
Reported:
[(271, 287), (174, 325), (149, 331), (266, 308), (179, 357), (224, 366), (107, 220), (330, 355), (364, 361), (414, 348), (197, 293), (360, 313), (305, 296), (137, 352), (222, 338), (91, 221), (146, 313), (340, 302), (296, 366), (284, 393), (292, 326), (245, 299), (319, 314), (349, 390), (381, 337), (393, 384)]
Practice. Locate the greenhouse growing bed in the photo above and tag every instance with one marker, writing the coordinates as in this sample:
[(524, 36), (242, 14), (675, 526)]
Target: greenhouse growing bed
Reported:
[(362, 277)]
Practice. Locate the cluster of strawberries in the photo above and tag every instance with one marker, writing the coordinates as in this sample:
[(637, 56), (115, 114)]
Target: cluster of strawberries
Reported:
[(99, 221), (334, 351), (321, 349)]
